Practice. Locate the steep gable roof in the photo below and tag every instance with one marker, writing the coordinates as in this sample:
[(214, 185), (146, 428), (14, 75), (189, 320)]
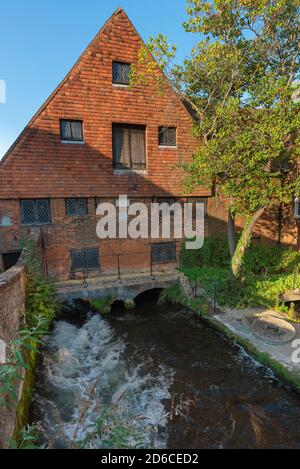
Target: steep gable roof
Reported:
[(40, 165), (71, 72)]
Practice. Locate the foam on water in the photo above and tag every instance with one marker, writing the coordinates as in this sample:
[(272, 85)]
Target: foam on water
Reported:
[(85, 371)]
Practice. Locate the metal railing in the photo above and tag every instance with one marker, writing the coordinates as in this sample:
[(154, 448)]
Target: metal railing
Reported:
[(117, 265), (230, 284)]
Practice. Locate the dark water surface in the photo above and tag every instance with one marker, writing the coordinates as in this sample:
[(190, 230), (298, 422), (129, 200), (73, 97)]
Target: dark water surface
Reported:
[(165, 374)]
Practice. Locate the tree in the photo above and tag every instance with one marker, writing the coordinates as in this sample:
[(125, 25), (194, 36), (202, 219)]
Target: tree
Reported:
[(239, 81)]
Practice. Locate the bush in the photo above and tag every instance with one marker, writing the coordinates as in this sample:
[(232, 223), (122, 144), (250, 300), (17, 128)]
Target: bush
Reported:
[(259, 258), (41, 300), (270, 258), (214, 253)]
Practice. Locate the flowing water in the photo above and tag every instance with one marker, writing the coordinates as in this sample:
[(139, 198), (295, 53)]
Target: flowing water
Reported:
[(164, 379)]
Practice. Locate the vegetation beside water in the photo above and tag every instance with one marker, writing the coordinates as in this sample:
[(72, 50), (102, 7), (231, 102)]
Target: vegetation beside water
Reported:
[(269, 272), (41, 308), (102, 305)]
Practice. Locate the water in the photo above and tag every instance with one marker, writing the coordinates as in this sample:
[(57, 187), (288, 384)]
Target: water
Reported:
[(164, 379)]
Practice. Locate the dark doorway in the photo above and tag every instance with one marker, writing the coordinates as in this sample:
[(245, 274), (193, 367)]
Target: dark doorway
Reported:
[(10, 259)]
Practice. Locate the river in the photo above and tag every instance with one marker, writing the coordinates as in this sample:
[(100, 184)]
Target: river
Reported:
[(156, 377)]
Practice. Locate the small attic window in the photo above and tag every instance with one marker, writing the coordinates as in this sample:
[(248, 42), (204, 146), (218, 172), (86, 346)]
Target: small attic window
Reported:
[(167, 136), (71, 130), (121, 73)]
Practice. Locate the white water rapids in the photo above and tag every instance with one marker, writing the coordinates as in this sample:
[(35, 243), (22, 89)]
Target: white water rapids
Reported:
[(85, 371)]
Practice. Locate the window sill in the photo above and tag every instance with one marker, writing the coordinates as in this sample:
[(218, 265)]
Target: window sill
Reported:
[(164, 262), (130, 172), (80, 271), (78, 216), (33, 225), (167, 147), (72, 142), (120, 85)]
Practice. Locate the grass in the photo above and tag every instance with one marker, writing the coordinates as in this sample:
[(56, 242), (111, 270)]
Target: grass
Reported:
[(256, 290)]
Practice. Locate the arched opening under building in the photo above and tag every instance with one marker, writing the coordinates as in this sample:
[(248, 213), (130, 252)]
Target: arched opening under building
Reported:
[(118, 307), (148, 297)]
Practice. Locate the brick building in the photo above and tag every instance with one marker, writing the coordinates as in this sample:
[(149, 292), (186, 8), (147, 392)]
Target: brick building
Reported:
[(94, 139)]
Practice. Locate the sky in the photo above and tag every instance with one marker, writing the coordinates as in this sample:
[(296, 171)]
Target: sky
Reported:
[(41, 40)]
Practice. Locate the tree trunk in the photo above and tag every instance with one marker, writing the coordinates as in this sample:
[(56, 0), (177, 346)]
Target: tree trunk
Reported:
[(243, 244), (231, 234)]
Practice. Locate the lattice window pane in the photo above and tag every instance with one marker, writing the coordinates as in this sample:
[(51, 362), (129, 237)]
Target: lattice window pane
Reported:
[(167, 136), (28, 212), (121, 73), (92, 260), (76, 130), (35, 212), (43, 211), (76, 207), (85, 259), (163, 253), (66, 131), (78, 260), (166, 200), (71, 130)]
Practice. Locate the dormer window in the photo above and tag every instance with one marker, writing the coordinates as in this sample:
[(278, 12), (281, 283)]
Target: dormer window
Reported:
[(121, 73), (71, 131)]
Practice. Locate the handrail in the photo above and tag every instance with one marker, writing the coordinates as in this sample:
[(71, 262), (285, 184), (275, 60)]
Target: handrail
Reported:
[(57, 265)]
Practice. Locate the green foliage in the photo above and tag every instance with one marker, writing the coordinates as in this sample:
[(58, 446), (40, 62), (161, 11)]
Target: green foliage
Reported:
[(27, 439), (259, 259), (147, 69), (256, 290), (40, 293), (172, 294), (114, 434), (240, 81), (214, 253), (41, 307), (271, 259), (41, 300), (28, 340), (102, 305), (108, 432), (292, 314)]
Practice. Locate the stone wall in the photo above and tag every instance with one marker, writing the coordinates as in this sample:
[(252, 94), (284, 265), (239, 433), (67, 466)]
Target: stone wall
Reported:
[(12, 318)]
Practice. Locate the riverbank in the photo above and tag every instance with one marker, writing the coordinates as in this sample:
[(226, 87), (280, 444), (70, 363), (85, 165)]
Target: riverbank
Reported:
[(234, 325)]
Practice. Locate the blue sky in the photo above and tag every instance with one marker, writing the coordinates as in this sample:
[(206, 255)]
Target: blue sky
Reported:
[(41, 40)]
